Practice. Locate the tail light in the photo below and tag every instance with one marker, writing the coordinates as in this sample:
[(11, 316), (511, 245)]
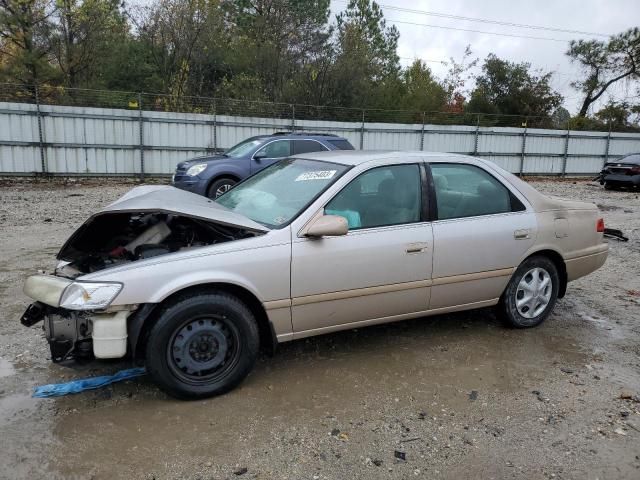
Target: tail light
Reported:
[(600, 225), (635, 170)]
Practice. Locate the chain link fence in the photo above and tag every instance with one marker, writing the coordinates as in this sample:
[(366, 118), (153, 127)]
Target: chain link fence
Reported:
[(77, 97)]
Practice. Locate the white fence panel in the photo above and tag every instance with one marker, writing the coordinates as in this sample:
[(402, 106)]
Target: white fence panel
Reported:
[(100, 141)]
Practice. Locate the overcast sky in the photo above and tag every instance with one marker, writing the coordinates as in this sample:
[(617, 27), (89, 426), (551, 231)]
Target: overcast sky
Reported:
[(437, 44)]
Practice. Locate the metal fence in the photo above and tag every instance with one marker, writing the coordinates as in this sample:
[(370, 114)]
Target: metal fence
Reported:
[(81, 133)]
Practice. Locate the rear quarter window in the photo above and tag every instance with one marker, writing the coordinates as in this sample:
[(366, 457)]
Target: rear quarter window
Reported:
[(341, 144), (306, 146)]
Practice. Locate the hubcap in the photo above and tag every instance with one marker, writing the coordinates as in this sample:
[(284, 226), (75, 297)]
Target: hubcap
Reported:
[(224, 188), (533, 293), (202, 348)]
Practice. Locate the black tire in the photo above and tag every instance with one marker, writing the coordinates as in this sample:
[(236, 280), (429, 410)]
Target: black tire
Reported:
[(610, 186), (220, 186), (206, 329), (519, 317)]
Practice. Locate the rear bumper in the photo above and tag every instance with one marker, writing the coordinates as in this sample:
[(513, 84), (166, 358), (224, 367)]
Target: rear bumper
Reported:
[(621, 178), (580, 266)]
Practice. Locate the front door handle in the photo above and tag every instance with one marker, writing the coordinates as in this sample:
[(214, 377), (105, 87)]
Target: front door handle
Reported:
[(522, 234), (416, 247)]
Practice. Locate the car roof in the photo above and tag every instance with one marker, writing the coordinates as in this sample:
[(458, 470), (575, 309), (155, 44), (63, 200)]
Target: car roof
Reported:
[(357, 157), (628, 158), (300, 136)]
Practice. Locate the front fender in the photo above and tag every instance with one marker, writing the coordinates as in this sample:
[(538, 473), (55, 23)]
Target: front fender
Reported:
[(263, 271)]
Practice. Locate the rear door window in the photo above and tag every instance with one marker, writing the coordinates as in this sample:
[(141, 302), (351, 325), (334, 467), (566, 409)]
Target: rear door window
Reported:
[(306, 146), (468, 191)]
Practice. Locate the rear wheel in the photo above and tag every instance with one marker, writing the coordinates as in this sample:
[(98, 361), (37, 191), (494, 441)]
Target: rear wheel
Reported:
[(531, 293), (202, 345), (219, 187)]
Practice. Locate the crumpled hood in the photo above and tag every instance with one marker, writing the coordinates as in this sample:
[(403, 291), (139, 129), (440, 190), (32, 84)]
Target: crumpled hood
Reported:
[(167, 199)]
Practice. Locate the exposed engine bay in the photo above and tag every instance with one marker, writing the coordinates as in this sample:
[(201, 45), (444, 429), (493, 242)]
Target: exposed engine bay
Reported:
[(113, 239)]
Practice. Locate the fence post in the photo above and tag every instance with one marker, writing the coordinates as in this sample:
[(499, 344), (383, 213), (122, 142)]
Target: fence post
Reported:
[(43, 159), (566, 151), (422, 133), (215, 127), (141, 134), (606, 151), (475, 143), (362, 132), (293, 118), (524, 146)]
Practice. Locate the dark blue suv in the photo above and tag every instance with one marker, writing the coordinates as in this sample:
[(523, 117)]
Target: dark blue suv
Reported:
[(214, 175)]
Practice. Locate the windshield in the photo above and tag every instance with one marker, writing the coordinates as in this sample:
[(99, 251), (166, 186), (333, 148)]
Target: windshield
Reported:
[(243, 148), (276, 195)]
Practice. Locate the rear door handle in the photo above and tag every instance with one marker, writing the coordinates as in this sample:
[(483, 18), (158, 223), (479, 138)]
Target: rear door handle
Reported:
[(522, 234), (416, 247)]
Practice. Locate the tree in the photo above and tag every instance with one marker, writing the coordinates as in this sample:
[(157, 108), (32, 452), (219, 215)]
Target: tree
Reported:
[(422, 91), (186, 40), (458, 75), (621, 115), (510, 88), (87, 30), (280, 39), (366, 62), (605, 63), (25, 28), (560, 117)]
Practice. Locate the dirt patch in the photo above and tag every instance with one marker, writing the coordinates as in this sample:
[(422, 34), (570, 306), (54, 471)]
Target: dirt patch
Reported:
[(455, 396)]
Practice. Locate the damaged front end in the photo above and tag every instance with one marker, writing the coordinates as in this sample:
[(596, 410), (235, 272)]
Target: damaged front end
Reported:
[(80, 317)]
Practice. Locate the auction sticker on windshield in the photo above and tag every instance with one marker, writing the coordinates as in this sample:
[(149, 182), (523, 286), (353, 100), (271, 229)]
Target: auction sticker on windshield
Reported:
[(317, 175)]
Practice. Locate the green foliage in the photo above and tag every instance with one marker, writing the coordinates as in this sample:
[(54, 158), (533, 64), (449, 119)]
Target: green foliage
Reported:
[(285, 51), (605, 63), (511, 88)]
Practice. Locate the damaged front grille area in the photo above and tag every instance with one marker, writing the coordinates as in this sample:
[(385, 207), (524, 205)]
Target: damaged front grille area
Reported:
[(113, 239)]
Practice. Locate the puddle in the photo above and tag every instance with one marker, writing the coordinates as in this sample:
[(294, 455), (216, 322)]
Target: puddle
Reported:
[(16, 407), (603, 323), (6, 369)]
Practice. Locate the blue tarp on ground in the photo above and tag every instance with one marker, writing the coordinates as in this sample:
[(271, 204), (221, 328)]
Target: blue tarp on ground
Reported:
[(77, 386)]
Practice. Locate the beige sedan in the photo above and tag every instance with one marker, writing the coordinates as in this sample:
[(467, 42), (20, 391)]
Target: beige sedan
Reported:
[(312, 244)]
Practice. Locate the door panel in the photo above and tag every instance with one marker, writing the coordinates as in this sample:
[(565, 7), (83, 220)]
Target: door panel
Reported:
[(483, 246), (481, 234), (363, 275), (381, 268)]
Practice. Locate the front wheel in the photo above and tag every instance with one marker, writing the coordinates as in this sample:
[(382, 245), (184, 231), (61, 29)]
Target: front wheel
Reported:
[(202, 345), (220, 187), (531, 293)]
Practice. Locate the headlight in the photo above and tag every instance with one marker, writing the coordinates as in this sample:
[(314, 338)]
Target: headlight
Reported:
[(89, 295), (196, 169)]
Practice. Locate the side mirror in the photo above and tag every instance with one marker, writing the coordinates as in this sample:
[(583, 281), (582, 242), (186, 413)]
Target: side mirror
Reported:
[(328, 226), (259, 156)]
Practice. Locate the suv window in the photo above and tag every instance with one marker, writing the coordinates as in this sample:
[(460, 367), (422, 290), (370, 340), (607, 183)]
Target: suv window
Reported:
[(468, 191), (378, 197), (341, 144), (306, 146), (277, 149)]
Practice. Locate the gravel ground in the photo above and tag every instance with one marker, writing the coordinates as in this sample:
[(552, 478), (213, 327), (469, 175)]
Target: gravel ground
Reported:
[(456, 396)]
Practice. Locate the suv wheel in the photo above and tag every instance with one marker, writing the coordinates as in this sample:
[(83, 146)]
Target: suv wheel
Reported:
[(531, 293), (220, 186), (202, 345)]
